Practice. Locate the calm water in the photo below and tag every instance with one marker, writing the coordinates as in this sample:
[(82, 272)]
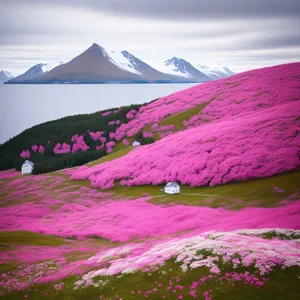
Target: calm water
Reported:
[(22, 106)]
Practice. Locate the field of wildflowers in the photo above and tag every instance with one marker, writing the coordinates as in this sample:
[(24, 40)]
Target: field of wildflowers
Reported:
[(106, 230)]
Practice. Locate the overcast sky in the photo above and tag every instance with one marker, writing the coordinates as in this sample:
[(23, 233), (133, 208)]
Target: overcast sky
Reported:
[(241, 34)]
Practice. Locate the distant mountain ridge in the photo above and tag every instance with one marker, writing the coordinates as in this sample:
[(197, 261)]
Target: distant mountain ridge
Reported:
[(180, 67), (35, 71), (99, 65), (5, 76)]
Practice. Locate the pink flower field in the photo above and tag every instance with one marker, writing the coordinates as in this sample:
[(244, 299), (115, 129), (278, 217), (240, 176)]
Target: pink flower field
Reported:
[(247, 131), (108, 231)]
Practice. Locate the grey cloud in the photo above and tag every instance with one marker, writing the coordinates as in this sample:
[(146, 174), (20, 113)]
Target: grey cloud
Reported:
[(183, 9)]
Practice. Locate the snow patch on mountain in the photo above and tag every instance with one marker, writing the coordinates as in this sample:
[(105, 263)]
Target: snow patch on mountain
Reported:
[(119, 59), (169, 67), (214, 72), (49, 66)]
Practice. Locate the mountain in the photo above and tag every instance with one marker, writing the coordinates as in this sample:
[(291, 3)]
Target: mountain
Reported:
[(182, 68), (215, 73), (98, 65), (34, 72), (148, 72), (5, 76)]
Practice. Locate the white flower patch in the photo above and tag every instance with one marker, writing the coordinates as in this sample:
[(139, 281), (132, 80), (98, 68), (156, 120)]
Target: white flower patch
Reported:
[(240, 247)]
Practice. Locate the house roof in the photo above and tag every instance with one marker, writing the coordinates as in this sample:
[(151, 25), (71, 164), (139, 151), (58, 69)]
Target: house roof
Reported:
[(172, 184), (28, 162)]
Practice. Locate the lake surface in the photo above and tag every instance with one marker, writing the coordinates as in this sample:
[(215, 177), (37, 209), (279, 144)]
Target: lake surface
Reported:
[(23, 106)]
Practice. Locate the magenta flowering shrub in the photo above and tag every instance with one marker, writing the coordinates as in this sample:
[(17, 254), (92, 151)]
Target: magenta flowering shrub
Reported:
[(99, 147), (74, 138), (154, 126), (34, 148), (131, 114), (96, 135), (147, 134), (118, 110), (106, 113), (62, 149), (114, 122), (109, 146), (102, 140), (125, 142), (25, 154), (80, 145), (41, 149), (112, 135)]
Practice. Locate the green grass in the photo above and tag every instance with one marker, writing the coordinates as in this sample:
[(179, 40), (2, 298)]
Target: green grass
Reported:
[(78, 255), (273, 234), (259, 192), (283, 284), (30, 238), (111, 156), (178, 118)]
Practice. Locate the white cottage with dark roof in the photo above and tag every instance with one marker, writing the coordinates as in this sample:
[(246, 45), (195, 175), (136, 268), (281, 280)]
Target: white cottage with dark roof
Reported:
[(136, 144), (172, 188), (27, 167)]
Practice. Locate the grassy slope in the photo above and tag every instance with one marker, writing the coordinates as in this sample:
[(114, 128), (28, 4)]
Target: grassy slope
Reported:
[(118, 152), (238, 195), (283, 284), (30, 238)]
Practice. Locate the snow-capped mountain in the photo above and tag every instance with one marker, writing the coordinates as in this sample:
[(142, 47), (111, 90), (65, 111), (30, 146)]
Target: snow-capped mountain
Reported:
[(99, 65), (180, 67), (35, 71), (5, 76), (215, 73)]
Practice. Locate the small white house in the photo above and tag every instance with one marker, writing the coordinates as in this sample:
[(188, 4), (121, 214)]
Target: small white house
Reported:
[(136, 143), (27, 167), (172, 188)]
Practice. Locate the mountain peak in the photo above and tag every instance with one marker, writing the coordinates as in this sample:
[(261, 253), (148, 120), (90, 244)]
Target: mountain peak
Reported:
[(96, 46), (175, 60)]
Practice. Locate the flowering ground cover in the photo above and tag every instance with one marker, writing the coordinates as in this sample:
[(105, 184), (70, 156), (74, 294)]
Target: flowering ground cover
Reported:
[(59, 239), (249, 132), (106, 230)]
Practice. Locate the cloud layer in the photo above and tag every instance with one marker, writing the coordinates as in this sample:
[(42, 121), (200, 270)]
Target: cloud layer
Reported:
[(240, 34)]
